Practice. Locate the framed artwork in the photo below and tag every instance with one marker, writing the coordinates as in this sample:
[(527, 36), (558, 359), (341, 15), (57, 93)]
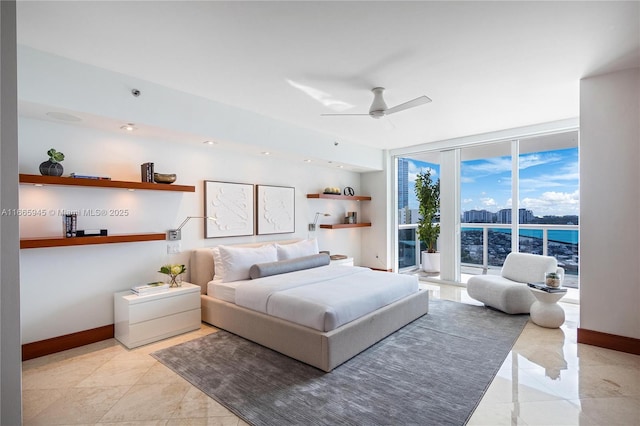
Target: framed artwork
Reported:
[(229, 207), (275, 209)]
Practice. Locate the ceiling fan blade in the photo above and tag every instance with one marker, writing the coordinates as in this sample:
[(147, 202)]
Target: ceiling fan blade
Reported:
[(409, 104), (344, 114)]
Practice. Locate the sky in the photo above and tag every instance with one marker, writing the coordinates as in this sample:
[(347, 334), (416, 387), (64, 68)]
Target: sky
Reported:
[(549, 183)]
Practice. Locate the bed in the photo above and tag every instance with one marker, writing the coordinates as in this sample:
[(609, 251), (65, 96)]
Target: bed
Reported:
[(321, 339)]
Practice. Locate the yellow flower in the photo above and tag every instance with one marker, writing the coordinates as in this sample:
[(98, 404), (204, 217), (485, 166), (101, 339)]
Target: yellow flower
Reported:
[(176, 269)]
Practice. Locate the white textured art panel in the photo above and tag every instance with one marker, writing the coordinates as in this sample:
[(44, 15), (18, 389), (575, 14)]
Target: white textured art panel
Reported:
[(230, 207), (276, 209)]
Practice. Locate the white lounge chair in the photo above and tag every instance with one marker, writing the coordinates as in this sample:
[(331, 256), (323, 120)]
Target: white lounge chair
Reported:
[(508, 292)]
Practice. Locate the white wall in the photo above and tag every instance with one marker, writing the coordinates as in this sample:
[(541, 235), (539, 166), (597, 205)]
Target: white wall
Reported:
[(377, 244), (609, 203), (69, 289)]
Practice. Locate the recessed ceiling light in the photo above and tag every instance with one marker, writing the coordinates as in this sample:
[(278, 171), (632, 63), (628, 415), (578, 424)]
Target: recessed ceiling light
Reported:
[(209, 142), (63, 116), (340, 166), (129, 127), (266, 153), (307, 161)]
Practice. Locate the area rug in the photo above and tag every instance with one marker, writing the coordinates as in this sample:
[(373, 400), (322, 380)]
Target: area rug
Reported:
[(433, 371)]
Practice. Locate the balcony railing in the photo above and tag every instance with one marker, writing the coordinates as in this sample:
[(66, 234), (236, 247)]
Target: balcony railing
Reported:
[(486, 245)]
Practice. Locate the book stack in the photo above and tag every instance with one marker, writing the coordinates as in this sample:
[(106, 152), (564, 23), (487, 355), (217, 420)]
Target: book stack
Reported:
[(70, 224), (78, 176), (544, 287), (146, 172), (151, 288)]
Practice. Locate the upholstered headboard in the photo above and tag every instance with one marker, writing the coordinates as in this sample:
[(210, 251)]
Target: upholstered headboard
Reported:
[(201, 266)]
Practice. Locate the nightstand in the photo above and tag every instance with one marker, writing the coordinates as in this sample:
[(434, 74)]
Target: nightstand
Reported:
[(348, 261), (144, 319)]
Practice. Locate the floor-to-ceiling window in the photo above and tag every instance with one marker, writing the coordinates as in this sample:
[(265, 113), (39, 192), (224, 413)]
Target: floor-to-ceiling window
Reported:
[(516, 194), (409, 246)]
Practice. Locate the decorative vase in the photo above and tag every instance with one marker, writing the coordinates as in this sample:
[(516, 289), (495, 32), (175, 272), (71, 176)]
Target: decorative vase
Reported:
[(49, 168), (175, 280)]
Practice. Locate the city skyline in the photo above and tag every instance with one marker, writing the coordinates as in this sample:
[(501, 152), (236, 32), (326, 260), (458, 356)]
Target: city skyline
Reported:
[(549, 183)]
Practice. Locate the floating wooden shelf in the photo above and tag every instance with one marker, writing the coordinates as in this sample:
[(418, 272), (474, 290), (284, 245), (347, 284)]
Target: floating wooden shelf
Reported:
[(103, 183), (340, 197), (29, 243), (345, 225)]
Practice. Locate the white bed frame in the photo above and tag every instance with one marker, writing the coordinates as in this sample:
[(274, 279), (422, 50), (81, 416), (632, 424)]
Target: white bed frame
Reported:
[(324, 350)]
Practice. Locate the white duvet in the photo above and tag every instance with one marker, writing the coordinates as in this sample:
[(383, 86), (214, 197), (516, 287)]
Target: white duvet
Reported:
[(324, 298)]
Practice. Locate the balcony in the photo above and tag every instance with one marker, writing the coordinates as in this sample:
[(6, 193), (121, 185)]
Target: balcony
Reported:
[(484, 246)]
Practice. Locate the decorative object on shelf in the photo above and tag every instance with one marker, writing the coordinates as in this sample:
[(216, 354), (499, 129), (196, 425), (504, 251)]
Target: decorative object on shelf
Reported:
[(176, 234), (174, 272), (276, 210), (552, 279), (351, 217), (70, 224), (77, 176), (146, 172), (91, 233), (164, 178), (332, 190), (312, 226), (428, 196), (348, 191), (231, 205), (52, 166)]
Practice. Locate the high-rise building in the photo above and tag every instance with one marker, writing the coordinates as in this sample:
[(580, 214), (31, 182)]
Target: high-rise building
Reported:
[(403, 183)]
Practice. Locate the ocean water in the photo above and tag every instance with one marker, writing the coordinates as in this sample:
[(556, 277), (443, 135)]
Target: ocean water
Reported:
[(568, 236)]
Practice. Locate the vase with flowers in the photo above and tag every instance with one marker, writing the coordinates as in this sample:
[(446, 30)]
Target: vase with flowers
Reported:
[(174, 272)]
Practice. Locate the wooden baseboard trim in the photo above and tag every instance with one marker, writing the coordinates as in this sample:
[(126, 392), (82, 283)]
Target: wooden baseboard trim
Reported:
[(379, 269), (68, 341), (609, 341)]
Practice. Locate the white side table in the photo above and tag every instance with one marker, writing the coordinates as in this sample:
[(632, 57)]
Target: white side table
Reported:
[(545, 311), (346, 262), (144, 319)]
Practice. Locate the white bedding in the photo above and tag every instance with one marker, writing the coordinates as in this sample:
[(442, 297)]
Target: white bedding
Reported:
[(322, 298)]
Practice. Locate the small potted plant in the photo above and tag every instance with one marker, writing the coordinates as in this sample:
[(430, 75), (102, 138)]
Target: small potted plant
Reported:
[(552, 279), (175, 274), (428, 195), (52, 166)]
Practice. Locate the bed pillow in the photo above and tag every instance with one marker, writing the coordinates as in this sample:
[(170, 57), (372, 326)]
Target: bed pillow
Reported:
[(261, 270), (299, 249), (218, 268), (236, 261)]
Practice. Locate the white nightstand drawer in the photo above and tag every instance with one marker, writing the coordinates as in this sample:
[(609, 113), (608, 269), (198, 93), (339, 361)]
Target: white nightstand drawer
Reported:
[(161, 328), (144, 319), (146, 311)]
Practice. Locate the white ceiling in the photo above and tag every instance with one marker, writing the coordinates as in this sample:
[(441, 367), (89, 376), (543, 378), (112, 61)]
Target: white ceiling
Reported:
[(487, 65)]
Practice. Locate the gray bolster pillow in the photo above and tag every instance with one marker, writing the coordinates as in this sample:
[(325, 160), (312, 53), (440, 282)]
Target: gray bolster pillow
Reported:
[(260, 270)]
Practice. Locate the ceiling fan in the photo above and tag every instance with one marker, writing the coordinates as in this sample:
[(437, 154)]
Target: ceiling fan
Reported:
[(379, 107)]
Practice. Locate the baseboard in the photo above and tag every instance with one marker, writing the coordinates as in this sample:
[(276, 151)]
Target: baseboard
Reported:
[(379, 269), (68, 341), (609, 341)]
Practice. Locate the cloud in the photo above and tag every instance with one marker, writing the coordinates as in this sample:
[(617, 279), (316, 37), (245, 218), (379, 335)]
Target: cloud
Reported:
[(553, 203), (467, 201), (488, 202)]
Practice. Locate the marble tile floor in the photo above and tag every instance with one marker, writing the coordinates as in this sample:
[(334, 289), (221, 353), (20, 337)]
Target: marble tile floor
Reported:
[(547, 379)]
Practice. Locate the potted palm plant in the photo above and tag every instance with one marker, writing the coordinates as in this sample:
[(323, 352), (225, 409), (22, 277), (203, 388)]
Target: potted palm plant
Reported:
[(428, 196)]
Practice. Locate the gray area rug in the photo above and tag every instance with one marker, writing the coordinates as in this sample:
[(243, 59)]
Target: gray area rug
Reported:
[(433, 371)]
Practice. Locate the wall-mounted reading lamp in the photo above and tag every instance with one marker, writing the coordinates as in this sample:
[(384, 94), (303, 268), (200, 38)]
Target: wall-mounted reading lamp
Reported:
[(312, 226), (176, 234)]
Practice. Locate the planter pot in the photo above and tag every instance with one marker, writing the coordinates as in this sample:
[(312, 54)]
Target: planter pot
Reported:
[(430, 262), (49, 168)]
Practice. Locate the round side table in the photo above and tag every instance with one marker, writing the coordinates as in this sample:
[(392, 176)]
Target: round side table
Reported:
[(545, 311)]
